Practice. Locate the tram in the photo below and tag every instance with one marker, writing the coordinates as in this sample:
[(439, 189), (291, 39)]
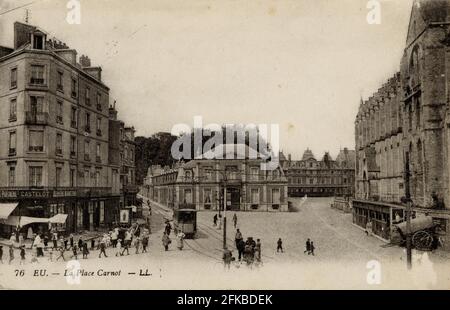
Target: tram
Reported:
[(185, 220)]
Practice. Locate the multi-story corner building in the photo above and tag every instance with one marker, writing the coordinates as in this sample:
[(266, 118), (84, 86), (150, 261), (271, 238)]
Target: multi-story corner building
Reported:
[(200, 184), (54, 134), (320, 178), (405, 126)]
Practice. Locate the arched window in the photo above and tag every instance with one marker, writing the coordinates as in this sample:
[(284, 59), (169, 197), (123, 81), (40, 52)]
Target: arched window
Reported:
[(414, 67)]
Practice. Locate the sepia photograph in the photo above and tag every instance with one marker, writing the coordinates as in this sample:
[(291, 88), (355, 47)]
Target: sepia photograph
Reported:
[(224, 145)]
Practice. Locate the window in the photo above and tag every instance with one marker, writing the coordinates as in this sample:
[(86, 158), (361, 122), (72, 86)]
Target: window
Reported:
[(255, 196), (35, 176), (13, 78), (72, 177), (38, 42), (59, 112), (97, 178), (87, 95), (188, 195), (97, 153), (73, 146), (99, 126), (418, 114), (13, 110), (86, 177), (36, 141), (88, 122), (58, 144), (276, 196), (254, 173), (188, 175), (12, 176), (99, 101), (37, 75), (12, 143), (73, 118), (36, 104), (74, 88), (58, 176), (59, 86), (86, 150)]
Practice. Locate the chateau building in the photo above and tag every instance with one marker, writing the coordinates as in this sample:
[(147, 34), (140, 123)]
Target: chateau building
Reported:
[(200, 184), (405, 126), (54, 136), (320, 178)]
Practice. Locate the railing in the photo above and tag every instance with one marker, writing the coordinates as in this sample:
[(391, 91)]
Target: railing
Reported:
[(36, 81), (36, 118), (130, 188)]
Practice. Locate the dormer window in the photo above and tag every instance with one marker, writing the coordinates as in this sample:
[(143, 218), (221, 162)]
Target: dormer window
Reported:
[(38, 42)]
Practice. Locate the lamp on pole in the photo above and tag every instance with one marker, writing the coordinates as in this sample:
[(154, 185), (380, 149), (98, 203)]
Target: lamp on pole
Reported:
[(408, 212)]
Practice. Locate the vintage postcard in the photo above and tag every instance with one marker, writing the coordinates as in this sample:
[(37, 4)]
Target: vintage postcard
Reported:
[(224, 144)]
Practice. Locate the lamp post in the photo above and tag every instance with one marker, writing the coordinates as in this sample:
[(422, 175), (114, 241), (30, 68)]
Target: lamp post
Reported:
[(408, 213)]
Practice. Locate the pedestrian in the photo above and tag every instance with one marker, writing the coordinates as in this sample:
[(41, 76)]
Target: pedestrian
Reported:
[(312, 248), (20, 239), (125, 247), (102, 248), (50, 255), (369, 228), (92, 243), (227, 258), (215, 220), (85, 250), (307, 247), (144, 243), (75, 252), (1, 254), (248, 254), (62, 242), (34, 259), (180, 240), (114, 236), (258, 250), (80, 243), (137, 243), (118, 247), (39, 247), (241, 248), (279, 245), (66, 242), (11, 253), (219, 226), (238, 237), (235, 220), (55, 240), (46, 241), (61, 253), (71, 241), (128, 237), (22, 255), (168, 229), (166, 241)]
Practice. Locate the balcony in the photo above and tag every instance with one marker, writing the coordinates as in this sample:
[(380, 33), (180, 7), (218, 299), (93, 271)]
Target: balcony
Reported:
[(73, 94), (36, 148), (37, 81), (59, 119), (98, 159), (48, 192), (60, 88), (12, 152), (99, 107), (59, 152), (36, 118), (87, 129), (99, 132), (130, 188)]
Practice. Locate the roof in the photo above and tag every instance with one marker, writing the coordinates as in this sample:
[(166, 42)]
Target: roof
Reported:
[(308, 154), (232, 151)]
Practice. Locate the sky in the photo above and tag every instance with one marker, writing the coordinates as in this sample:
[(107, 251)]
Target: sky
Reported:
[(301, 64)]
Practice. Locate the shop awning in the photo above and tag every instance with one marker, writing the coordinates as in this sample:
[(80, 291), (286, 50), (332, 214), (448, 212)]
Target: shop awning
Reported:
[(58, 219), (6, 209), (25, 220)]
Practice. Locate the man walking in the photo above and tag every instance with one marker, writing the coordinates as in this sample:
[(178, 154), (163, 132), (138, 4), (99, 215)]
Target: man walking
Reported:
[(238, 237), (312, 248), (102, 248), (235, 220), (308, 247), (215, 220), (279, 245), (227, 258)]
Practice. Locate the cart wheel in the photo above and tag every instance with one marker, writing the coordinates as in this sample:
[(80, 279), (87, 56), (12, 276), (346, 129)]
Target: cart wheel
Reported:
[(422, 240)]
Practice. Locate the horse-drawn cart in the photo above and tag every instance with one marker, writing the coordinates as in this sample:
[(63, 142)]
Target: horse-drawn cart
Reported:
[(423, 232)]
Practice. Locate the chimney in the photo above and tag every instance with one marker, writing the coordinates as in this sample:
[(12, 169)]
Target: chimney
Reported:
[(85, 61), (68, 55), (96, 72)]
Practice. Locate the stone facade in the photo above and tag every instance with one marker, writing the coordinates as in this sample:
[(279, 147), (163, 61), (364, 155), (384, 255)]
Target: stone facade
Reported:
[(320, 178), (405, 125), (54, 133), (199, 184)]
